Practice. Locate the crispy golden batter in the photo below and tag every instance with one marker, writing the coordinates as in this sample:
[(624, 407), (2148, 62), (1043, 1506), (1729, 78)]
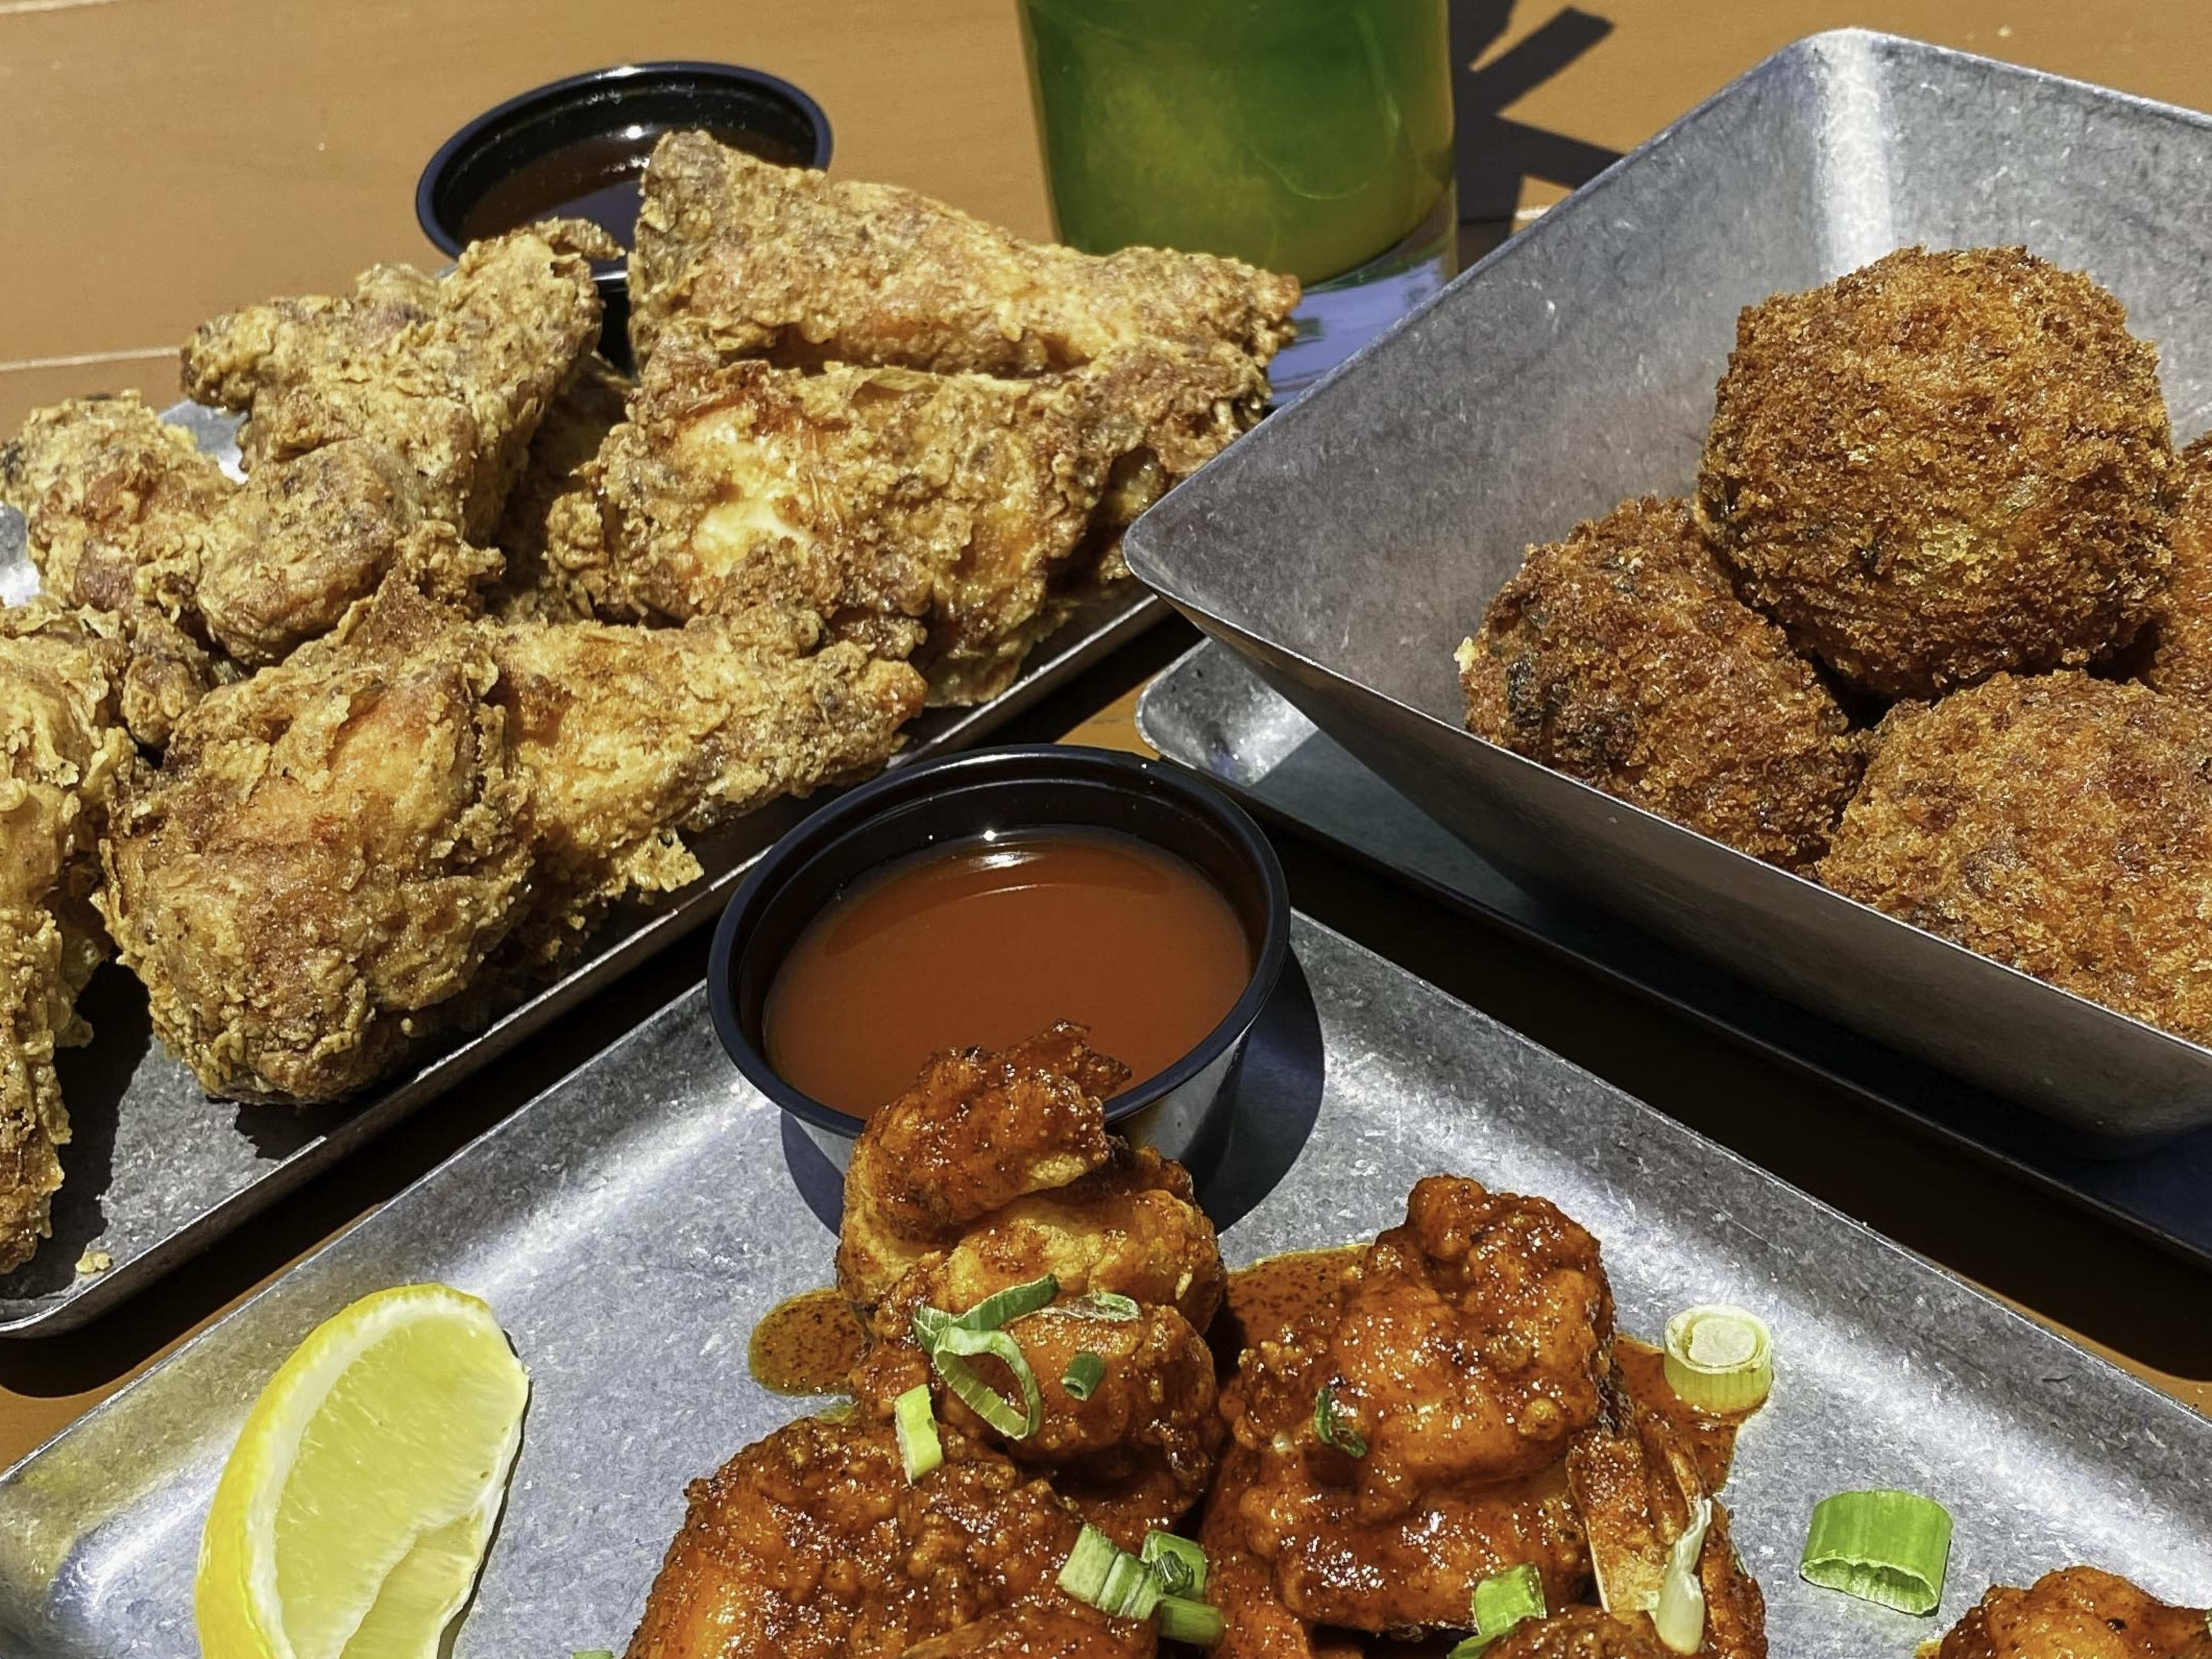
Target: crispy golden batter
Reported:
[(385, 429), (1622, 657), (332, 849), (61, 757), (1480, 1424), (1942, 465), (756, 260), (993, 1171), (327, 854), (2181, 655), (2077, 1613), (2061, 824), (812, 1544), (630, 737), (893, 505), (550, 530)]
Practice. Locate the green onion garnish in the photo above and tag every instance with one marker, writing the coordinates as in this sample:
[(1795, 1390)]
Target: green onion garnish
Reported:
[(1131, 1590), (1082, 1575), (1330, 1425), (1083, 1376), (1499, 1602), (1679, 1617), (1719, 1358), (998, 1309), (1110, 1305), (1179, 1563), (1182, 1619), (591, 1653), (1887, 1547), (920, 1449), (949, 1347)]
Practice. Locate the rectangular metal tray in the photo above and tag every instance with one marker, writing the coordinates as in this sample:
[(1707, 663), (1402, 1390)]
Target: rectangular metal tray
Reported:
[(631, 1224), (1209, 711), (1350, 544), (155, 1172)]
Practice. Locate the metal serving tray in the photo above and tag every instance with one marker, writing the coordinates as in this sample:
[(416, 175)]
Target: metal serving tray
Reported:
[(631, 1224), (1209, 711), (156, 1172), (1351, 543)]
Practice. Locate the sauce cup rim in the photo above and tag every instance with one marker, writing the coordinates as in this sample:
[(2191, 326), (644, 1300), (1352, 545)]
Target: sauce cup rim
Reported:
[(1028, 763)]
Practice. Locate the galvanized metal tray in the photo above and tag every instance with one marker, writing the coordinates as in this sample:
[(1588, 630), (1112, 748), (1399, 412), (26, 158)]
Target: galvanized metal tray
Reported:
[(156, 1171), (1209, 711), (1350, 544), (631, 1224)]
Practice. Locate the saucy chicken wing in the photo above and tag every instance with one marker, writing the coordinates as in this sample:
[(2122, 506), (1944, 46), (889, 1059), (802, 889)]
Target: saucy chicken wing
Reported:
[(1457, 1414), (2078, 1612), (756, 260), (812, 1544), (62, 754)]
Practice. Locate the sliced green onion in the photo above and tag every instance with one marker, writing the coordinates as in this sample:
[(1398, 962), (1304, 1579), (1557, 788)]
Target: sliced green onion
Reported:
[(591, 1653), (1888, 1547), (1182, 1619), (1131, 1591), (1499, 1602), (1110, 1305), (1679, 1617), (1001, 1308), (1329, 1425), (1179, 1563), (1083, 1376), (1719, 1358), (920, 1449), (1082, 1575), (951, 1347)]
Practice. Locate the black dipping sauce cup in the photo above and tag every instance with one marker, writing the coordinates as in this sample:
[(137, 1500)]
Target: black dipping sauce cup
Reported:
[(578, 148), (1184, 1111)]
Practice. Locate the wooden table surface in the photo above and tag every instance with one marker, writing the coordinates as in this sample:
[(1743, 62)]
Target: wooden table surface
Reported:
[(169, 159)]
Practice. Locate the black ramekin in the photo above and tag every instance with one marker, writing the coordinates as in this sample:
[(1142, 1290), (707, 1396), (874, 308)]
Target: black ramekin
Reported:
[(1183, 1111), (629, 100)]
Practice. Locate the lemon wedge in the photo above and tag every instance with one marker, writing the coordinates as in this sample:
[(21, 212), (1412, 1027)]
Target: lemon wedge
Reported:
[(353, 1514)]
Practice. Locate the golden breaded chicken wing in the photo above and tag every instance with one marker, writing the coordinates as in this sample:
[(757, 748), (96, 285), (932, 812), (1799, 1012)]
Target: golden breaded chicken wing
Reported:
[(2078, 1612), (62, 755), (756, 260), (812, 1544), (955, 517), (2181, 632), (326, 857), (549, 531)]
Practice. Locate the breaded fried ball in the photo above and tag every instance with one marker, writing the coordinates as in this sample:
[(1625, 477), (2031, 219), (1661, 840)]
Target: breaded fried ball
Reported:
[(1622, 657), (1941, 466), (2181, 658), (2062, 824)]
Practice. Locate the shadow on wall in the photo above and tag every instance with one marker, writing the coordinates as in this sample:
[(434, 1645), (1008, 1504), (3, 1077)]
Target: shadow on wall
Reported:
[(1495, 154)]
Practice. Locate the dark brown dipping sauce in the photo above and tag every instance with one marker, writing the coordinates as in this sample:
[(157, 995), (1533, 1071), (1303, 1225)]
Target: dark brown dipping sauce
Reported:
[(596, 179), (985, 942), (807, 1345), (1711, 1439)]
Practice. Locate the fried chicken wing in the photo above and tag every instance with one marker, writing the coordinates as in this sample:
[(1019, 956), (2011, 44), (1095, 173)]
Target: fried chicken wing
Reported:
[(327, 854), (1621, 656), (2061, 824), (550, 530), (813, 1544), (957, 515), (1580, 1633), (62, 755), (385, 429), (2078, 1612), (756, 260), (632, 737), (1942, 465)]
